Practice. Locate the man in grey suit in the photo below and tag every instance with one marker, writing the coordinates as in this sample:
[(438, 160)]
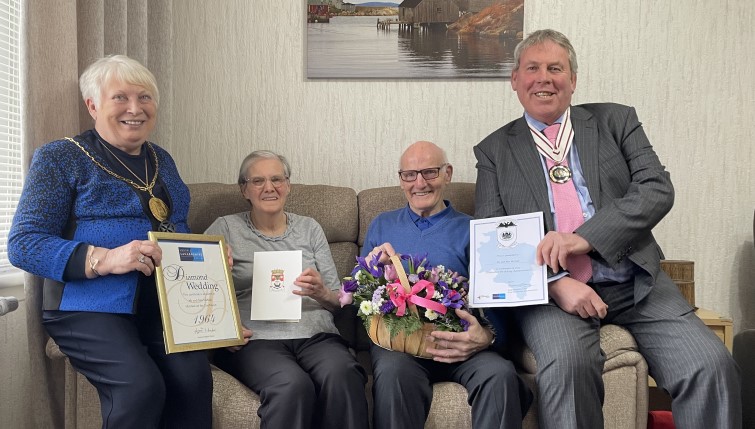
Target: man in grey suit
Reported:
[(602, 189)]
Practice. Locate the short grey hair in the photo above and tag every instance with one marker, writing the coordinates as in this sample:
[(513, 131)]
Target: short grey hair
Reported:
[(119, 67), (542, 36), (258, 155)]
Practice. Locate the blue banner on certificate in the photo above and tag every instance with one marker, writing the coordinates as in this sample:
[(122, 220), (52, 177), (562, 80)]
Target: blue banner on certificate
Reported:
[(503, 271)]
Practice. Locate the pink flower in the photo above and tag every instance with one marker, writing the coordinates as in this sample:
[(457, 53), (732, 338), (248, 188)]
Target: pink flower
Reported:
[(434, 275), (345, 298), (390, 273)]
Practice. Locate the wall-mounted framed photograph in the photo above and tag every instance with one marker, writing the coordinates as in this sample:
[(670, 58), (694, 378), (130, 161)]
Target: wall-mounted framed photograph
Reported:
[(197, 297), (412, 39)]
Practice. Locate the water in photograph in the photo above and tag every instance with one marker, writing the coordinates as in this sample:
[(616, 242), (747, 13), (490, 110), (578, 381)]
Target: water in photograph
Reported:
[(353, 47)]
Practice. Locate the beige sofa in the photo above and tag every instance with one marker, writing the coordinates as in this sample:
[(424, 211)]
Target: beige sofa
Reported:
[(345, 216)]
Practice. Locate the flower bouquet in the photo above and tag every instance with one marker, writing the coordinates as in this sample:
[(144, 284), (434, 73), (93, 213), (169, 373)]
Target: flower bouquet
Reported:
[(388, 298)]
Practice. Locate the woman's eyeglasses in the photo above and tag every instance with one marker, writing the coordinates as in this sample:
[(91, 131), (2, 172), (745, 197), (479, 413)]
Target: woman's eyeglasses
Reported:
[(259, 182), (427, 173)]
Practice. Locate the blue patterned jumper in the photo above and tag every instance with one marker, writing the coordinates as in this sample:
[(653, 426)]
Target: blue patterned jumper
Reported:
[(445, 243), (64, 183)]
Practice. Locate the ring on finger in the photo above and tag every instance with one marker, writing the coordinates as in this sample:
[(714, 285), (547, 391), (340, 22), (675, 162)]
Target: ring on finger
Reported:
[(140, 259)]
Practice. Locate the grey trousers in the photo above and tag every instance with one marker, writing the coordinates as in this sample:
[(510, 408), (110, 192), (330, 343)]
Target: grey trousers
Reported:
[(684, 357), (302, 383)]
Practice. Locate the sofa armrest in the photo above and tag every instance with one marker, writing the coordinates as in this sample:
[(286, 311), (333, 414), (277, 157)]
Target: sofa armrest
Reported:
[(614, 341)]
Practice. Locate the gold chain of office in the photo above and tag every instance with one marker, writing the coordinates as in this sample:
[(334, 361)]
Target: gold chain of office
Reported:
[(157, 206)]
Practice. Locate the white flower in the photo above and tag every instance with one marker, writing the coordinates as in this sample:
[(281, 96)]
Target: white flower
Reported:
[(366, 308), (437, 295), (431, 315)]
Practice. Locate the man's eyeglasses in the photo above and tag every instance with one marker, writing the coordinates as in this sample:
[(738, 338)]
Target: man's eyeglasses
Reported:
[(427, 173), (259, 182)]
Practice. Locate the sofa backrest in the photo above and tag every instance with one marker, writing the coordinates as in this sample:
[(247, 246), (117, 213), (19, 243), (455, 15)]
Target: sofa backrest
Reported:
[(343, 215), (377, 200), (333, 207)]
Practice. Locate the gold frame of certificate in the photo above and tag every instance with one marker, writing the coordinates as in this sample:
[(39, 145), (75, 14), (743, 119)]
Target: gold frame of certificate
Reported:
[(196, 293)]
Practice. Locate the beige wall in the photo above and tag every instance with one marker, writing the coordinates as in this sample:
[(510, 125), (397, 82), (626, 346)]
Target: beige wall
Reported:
[(240, 84)]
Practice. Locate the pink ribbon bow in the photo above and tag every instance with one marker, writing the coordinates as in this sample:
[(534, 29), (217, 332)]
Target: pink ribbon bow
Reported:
[(399, 297)]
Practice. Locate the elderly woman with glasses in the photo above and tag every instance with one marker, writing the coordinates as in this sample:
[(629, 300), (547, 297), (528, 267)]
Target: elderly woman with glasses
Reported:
[(82, 223), (303, 371)]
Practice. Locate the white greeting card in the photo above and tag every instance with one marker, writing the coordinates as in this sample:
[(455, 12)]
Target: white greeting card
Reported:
[(273, 285)]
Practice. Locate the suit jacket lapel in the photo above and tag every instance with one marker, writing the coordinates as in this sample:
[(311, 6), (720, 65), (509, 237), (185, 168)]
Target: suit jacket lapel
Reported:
[(527, 157), (586, 140)]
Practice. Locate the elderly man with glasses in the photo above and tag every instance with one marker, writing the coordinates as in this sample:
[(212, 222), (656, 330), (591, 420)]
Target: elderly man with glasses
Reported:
[(429, 225)]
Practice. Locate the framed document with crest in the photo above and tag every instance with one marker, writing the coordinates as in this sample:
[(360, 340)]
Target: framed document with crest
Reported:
[(196, 292)]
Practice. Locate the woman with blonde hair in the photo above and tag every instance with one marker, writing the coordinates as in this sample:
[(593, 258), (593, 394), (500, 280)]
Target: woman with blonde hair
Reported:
[(81, 223)]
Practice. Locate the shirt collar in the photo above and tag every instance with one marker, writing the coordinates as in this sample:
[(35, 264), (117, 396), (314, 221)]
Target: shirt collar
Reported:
[(432, 220), (540, 126)]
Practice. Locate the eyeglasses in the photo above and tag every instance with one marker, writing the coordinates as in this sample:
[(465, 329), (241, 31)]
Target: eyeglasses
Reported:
[(259, 182), (427, 173)]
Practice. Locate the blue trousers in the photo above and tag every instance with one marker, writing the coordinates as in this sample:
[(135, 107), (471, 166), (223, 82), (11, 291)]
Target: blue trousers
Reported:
[(123, 356), (403, 392)]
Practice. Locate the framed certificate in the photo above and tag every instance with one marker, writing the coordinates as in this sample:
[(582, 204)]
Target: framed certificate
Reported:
[(197, 298)]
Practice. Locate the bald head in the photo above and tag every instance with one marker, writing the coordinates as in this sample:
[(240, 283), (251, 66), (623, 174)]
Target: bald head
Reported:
[(423, 149), (431, 172)]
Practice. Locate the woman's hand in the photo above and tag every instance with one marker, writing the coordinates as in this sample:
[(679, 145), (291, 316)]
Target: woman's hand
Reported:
[(247, 336), (387, 252), (138, 255), (451, 347), (229, 252), (310, 282)]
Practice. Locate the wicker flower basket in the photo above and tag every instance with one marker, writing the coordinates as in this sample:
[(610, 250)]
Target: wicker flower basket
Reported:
[(415, 343)]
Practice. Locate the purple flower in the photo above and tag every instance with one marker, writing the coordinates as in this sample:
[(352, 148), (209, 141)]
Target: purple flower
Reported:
[(387, 307), (350, 285), (372, 265), (464, 324), (451, 299)]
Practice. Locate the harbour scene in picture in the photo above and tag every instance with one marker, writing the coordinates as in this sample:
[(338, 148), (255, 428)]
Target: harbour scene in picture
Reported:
[(412, 39)]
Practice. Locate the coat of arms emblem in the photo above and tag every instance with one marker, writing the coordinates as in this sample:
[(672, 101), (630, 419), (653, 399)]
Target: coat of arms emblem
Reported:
[(506, 234), (276, 280)]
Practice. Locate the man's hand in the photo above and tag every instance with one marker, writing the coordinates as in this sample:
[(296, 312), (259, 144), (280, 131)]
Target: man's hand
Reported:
[(557, 246), (452, 347), (387, 252), (575, 297)]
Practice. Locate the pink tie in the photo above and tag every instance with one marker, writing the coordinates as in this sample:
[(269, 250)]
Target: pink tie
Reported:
[(568, 212)]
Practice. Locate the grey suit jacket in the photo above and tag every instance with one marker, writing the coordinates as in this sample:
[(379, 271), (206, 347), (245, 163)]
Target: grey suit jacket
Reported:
[(629, 187)]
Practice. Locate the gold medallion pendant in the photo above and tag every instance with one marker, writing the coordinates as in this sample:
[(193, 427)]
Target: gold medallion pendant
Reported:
[(158, 208), (559, 173)]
